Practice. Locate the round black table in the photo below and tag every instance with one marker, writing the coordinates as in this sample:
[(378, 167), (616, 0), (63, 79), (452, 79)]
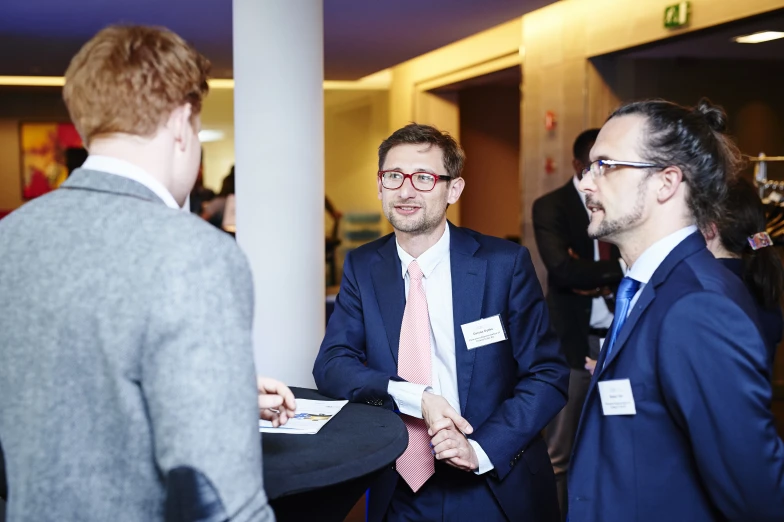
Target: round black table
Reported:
[(322, 476)]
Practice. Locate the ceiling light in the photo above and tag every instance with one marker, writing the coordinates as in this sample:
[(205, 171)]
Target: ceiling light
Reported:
[(762, 36), (207, 135), (33, 81)]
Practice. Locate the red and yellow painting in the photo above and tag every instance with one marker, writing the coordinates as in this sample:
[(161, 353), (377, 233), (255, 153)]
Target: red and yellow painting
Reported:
[(43, 155)]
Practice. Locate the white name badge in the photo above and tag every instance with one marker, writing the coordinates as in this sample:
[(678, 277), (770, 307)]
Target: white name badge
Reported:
[(483, 332), (617, 398)]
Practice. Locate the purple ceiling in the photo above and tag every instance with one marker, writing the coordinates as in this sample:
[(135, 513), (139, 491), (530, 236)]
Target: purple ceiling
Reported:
[(38, 37)]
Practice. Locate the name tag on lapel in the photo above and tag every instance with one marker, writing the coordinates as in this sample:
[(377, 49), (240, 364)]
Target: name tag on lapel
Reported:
[(617, 398), (483, 332)]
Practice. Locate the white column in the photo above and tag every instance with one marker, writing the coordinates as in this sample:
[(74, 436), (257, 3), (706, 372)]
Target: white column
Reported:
[(279, 149)]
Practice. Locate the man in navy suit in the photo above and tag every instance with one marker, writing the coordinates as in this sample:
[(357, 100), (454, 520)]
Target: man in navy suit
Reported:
[(406, 335), (677, 422)]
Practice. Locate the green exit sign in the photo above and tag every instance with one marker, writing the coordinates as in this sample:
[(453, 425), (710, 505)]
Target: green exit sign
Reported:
[(677, 15)]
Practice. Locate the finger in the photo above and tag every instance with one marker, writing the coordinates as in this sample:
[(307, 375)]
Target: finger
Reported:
[(269, 385), (444, 445), (439, 425), (462, 424), (289, 400), (270, 401), (442, 436), (448, 454), (460, 464)]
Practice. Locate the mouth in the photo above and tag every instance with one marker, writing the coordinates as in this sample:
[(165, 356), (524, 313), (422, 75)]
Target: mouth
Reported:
[(594, 207), (406, 210)]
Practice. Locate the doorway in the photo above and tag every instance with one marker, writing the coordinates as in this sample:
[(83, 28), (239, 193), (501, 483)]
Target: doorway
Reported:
[(488, 108)]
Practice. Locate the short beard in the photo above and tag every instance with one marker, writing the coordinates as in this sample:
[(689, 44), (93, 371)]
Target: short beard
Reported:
[(424, 225), (609, 228)]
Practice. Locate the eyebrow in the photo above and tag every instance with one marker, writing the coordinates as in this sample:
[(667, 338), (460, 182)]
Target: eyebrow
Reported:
[(426, 171)]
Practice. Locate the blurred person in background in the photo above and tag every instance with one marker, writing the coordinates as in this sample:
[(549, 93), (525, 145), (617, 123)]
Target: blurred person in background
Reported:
[(739, 241), (582, 274)]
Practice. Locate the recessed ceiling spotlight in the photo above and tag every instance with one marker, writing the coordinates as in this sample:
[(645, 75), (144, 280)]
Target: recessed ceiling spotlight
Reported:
[(762, 36)]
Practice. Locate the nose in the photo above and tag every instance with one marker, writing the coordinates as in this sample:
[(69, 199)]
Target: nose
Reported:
[(407, 191), (587, 183)]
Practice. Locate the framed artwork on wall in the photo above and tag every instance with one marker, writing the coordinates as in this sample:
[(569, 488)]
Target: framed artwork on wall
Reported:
[(43, 155)]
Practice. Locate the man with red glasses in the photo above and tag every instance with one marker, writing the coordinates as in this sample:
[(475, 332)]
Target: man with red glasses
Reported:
[(676, 423), (449, 328)]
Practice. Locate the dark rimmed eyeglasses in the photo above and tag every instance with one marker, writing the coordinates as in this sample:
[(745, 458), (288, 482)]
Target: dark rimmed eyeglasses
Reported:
[(598, 168), (421, 181)]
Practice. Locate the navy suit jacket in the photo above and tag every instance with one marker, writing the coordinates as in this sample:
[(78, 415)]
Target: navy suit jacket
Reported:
[(702, 445), (508, 391)]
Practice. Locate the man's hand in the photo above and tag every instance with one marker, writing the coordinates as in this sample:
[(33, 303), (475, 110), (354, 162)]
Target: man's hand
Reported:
[(451, 446), (276, 402), (590, 365), (435, 408)]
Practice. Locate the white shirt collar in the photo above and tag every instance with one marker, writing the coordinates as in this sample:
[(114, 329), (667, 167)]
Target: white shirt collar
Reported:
[(429, 259), (124, 169), (654, 255)]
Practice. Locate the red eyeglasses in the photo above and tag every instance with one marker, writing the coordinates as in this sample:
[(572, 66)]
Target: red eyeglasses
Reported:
[(421, 181)]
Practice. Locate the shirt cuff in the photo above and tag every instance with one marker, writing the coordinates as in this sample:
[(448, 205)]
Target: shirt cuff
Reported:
[(408, 397), (484, 461)]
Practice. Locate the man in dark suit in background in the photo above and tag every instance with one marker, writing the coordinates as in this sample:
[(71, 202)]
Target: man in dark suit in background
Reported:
[(484, 391), (676, 423), (581, 274)]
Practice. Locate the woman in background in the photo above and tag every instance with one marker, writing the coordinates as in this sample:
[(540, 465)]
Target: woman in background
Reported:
[(740, 242)]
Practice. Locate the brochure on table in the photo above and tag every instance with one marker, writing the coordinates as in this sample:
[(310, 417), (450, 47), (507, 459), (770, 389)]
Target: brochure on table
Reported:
[(309, 418)]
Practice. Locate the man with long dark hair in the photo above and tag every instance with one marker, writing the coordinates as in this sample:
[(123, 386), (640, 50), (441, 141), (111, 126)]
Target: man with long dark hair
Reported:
[(677, 422)]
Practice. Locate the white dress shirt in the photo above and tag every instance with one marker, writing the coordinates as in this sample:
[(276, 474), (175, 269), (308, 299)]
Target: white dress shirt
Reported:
[(124, 169), (437, 281), (642, 270), (601, 316)]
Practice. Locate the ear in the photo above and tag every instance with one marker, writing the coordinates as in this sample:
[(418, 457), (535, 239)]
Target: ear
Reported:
[(710, 232), (179, 124), (379, 186), (671, 180), (456, 187)]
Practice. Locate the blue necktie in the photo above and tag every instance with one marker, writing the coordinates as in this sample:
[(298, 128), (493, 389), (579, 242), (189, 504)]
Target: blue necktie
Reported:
[(623, 299)]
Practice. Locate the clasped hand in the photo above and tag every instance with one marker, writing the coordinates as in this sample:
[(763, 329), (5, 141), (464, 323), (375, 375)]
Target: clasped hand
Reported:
[(447, 428)]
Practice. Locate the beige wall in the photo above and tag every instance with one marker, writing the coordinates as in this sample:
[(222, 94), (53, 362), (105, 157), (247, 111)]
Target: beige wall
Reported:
[(218, 114), (558, 40)]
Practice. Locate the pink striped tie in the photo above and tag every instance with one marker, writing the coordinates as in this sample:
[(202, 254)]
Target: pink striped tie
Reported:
[(416, 465)]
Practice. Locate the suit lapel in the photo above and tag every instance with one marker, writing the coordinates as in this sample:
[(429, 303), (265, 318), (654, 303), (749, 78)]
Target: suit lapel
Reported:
[(646, 297), (468, 288), (687, 247), (390, 291)]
